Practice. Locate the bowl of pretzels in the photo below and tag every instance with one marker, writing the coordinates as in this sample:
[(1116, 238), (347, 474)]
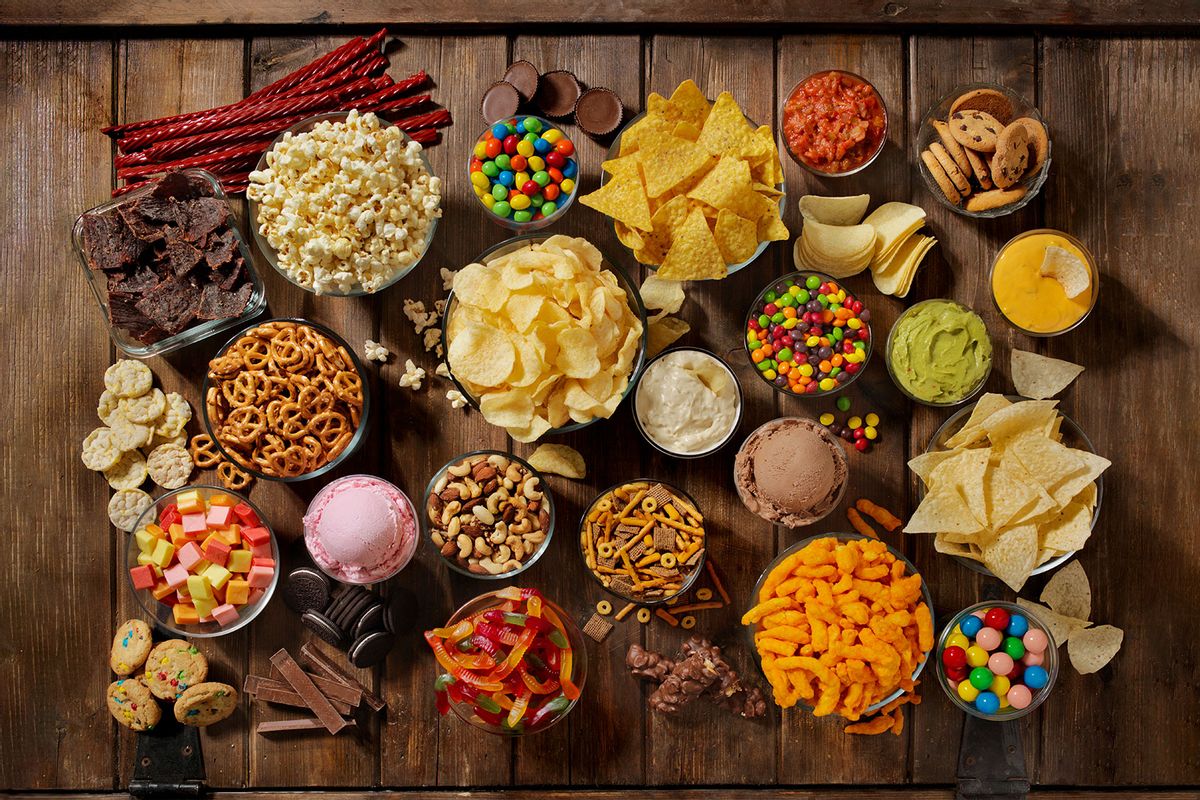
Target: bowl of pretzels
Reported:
[(285, 400)]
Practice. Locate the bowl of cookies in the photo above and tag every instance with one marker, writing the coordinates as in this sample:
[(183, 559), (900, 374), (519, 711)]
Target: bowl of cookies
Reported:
[(285, 400), (983, 150)]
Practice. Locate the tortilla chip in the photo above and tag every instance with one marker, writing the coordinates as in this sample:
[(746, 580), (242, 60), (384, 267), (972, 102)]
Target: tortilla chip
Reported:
[(671, 163), (737, 238), (1067, 268), (727, 133), (1059, 626), (943, 511), (1091, 649), (622, 198), (1012, 555), (1040, 377), (694, 254), (1069, 592)]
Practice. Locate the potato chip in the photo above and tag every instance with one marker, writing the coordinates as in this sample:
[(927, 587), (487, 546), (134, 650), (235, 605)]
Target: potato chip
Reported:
[(1059, 626), (1041, 377), (476, 284), (577, 353), (843, 251), (694, 254), (511, 409), (834, 210), (663, 332), (1067, 268), (658, 293), (736, 237), (558, 459), (1069, 593), (622, 198), (1091, 649), (479, 355), (893, 223)]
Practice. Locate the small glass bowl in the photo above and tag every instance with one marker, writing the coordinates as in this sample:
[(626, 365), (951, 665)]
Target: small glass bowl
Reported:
[(579, 662), (564, 203), (1050, 664), (193, 334), (928, 135), (631, 291), (1073, 436), (613, 152), (642, 601), (839, 455), (407, 557), (870, 159), (547, 496), (1093, 272), (887, 357), (752, 314), (844, 537), (160, 612), (355, 441), (304, 126), (737, 419)]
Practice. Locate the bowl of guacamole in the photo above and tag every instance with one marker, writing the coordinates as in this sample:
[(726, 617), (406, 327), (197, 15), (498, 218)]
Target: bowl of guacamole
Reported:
[(939, 353)]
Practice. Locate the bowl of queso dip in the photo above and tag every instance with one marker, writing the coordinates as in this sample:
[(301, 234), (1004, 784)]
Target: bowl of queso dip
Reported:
[(1044, 282)]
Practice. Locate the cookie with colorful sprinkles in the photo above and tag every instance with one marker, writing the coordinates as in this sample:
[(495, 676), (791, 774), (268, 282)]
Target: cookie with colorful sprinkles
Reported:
[(172, 667), (130, 647), (206, 703), (131, 704)]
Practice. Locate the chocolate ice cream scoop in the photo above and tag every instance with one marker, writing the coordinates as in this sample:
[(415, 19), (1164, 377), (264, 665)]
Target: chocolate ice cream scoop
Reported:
[(791, 471)]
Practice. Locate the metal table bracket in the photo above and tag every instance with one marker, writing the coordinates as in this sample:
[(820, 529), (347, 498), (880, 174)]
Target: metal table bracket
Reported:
[(169, 762)]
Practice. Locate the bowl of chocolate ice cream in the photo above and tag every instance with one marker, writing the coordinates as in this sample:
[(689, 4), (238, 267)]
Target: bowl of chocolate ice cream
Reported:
[(791, 471)]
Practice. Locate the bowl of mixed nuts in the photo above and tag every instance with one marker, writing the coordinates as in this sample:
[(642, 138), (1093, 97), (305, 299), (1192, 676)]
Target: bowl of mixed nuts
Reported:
[(489, 514)]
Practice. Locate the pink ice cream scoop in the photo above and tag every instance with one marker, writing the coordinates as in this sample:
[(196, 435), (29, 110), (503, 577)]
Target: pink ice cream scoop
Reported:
[(360, 529)]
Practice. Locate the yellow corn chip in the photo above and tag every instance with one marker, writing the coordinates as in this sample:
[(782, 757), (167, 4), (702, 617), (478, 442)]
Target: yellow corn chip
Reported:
[(670, 163), (623, 198), (727, 133), (694, 254), (737, 238)]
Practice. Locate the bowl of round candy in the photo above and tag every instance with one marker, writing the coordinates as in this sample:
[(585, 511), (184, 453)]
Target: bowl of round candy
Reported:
[(997, 661), (512, 661), (523, 170)]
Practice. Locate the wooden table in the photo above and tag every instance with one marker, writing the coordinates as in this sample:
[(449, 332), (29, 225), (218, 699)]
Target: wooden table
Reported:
[(1121, 105)]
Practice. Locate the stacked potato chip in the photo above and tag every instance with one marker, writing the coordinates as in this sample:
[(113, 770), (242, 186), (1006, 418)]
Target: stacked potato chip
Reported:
[(694, 188)]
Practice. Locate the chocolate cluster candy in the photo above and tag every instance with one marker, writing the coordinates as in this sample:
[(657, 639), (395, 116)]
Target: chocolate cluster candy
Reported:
[(699, 670)]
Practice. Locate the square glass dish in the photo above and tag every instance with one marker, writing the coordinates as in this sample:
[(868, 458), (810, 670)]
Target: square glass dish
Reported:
[(97, 282)]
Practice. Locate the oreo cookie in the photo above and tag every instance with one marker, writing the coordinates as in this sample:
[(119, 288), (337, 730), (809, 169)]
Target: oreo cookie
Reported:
[(343, 599), (370, 620), (306, 589), (401, 611), (369, 650), (324, 628), (349, 615)]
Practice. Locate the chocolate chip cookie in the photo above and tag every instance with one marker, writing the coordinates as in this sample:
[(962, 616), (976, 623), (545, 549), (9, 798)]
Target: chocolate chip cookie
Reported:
[(1011, 159), (956, 175), (989, 101), (977, 130)]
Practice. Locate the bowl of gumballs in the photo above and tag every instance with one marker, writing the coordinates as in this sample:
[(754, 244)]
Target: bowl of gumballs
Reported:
[(523, 170), (997, 661), (202, 561), (807, 336)]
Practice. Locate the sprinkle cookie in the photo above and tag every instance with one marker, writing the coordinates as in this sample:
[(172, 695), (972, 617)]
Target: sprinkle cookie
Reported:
[(130, 703), (101, 450), (172, 667), (130, 647), (128, 473), (127, 506), (206, 703), (169, 466), (128, 378)]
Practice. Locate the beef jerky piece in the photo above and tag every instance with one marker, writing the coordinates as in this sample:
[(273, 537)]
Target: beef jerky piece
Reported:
[(157, 210), (215, 303), (108, 243), (125, 316), (182, 257), (138, 225), (182, 186), (228, 275), (220, 248), (135, 280), (172, 305), (200, 217)]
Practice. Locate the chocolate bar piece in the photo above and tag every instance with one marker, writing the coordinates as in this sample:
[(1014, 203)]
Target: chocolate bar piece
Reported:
[(319, 662), (334, 690), (303, 686), (298, 724), (272, 691)]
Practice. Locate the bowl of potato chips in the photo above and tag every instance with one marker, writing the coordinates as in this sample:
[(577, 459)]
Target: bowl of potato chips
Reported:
[(544, 334), (1009, 487), (694, 188)]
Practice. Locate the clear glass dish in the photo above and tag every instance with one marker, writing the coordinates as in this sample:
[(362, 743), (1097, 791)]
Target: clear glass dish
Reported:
[(196, 333), (579, 665), (355, 441), (870, 160), (615, 148), (737, 421), (547, 496), (536, 224), (839, 454), (687, 584), (631, 291), (941, 111), (776, 285), (845, 537), (407, 557), (1050, 664), (887, 357), (269, 252), (1073, 436), (160, 612), (1093, 272)]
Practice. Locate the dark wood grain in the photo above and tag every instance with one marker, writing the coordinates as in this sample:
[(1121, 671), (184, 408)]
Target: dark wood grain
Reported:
[(855, 793)]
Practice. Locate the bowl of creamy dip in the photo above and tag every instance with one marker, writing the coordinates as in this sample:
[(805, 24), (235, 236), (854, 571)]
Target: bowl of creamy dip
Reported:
[(687, 403)]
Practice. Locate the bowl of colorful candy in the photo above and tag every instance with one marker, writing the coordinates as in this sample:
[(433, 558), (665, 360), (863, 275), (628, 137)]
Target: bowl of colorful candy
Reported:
[(202, 561), (512, 662), (523, 170), (807, 336), (997, 661)]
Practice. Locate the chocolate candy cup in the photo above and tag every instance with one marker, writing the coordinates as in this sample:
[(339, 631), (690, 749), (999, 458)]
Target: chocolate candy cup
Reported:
[(557, 92), (599, 111), (500, 101), (524, 77)]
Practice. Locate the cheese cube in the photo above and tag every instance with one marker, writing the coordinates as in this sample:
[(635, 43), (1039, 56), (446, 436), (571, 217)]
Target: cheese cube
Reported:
[(216, 575), (185, 614), (239, 561), (219, 516), (176, 575), (189, 555), (190, 502), (225, 615), (199, 588), (237, 592), (163, 552), (143, 577), (260, 577), (195, 524)]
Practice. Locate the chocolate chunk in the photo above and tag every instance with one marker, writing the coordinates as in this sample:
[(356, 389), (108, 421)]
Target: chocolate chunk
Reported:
[(370, 620), (599, 111), (557, 92), (524, 78), (172, 305), (369, 650), (306, 589), (323, 627), (216, 303), (500, 101)]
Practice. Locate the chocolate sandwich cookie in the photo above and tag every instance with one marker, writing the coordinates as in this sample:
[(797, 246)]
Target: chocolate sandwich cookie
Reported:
[(345, 598), (369, 650), (323, 627), (370, 620), (500, 101), (599, 111), (401, 610), (557, 93), (307, 589), (524, 77), (349, 615)]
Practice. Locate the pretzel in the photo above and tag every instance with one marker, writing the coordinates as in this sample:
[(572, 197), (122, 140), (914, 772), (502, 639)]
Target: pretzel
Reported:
[(204, 453), (232, 477)]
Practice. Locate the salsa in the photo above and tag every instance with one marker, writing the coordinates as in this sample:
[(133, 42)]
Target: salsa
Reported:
[(834, 122)]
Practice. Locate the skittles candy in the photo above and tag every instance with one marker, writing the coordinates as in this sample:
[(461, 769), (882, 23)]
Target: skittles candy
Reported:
[(523, 171)]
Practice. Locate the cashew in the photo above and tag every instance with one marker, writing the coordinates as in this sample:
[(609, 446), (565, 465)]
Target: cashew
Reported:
[(522, 527), (493, 503), (537, 537), (459, 470), (498, 461), (438, 539), (465, 545), (513, 473), (441, 484), (504, 553), (453, 528), (509, 484), (518, 550), (451, 509), (474, 488), (531, 489), (463, 492), (482, 547), (512, 564), (491, 566), (483, 515)]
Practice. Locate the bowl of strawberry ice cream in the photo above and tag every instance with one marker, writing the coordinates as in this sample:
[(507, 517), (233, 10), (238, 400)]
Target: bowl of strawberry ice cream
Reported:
[(360, 529)]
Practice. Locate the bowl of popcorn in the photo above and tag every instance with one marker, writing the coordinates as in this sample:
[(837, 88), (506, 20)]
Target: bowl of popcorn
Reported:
[(344, 204)]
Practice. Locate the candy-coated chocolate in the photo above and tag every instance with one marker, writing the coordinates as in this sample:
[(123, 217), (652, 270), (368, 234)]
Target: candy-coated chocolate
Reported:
[(521, 156)]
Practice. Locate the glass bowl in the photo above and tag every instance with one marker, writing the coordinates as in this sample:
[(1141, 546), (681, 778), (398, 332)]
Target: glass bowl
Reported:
[(887, 357), (815, 170), (406, 556), (579, 665), (642, 601), (268, 251), (162, 613), (615, 148), (779, 286), (1050, 664), (1073, 436), (570, 172), (737, 420), (845, 537), (631, 291), (1093, 272), (195, 333), (437, 484), (839, 455), (356, 440), (941, 111)]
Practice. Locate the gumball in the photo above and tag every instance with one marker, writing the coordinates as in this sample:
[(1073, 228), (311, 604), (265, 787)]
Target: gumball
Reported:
[(1033, 659), (1035, 640), (1000, 663), (981, 678), (988, 639), (1017, 626), (1014, 647), (1017, 671), (1020, 697), (976, 656), (979, 613), (996, 618), (953, 684), (956, 673), (1000, 686), (954, 656), (987, 702), (967, 692), (1036, 677), (954, 639), (970, 625)]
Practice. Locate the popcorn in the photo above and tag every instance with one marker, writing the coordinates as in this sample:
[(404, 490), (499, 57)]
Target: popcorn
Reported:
[(447, 278), (418, 316), (443, 370), (433, 341), (347, 205), (374, 351), (412, 377), (456, 398)]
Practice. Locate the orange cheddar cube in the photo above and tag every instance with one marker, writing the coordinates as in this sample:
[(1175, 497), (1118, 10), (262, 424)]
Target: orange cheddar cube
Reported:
[(185, 614)]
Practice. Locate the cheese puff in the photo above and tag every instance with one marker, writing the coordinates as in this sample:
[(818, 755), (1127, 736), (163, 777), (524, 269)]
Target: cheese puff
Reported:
[(785, 633), (844, 585), (871, 573), (858, 612), (830, 692), (875, 725), (791, 619), (905, 591), (767, 607), (848, 558), (776, 646), (924, 627), (801, 682)]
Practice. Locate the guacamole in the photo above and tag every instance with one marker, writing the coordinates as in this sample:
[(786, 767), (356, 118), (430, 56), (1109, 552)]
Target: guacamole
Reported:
[(939, 352)]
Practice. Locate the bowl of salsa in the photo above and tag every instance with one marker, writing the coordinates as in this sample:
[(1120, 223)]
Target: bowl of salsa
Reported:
[(834, 123)]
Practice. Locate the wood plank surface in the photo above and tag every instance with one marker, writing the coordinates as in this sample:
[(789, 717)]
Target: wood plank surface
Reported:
[(734, 793)]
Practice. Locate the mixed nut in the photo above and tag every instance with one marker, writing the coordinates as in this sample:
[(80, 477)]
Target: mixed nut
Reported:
[(488, 513)]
